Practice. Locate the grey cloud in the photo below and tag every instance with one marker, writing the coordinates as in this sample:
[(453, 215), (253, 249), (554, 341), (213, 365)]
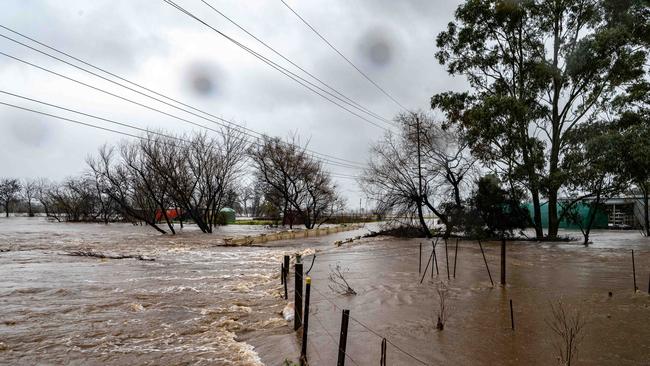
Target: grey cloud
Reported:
[(393, 41)]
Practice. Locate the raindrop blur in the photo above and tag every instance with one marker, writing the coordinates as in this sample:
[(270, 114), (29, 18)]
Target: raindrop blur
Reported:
[(377, 47), (30, 132), (205, 79)]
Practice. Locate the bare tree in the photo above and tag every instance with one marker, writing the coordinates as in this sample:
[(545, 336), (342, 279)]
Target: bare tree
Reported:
[(123, 188), (338, 283), (422, 166), (568, 327), (161, 172), (29, 194), (294, 181), (200, 176), (443, 307), (9, 193)]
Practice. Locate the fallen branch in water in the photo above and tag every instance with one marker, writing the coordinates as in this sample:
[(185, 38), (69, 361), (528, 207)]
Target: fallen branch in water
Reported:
[(338, 283), (81, 253)]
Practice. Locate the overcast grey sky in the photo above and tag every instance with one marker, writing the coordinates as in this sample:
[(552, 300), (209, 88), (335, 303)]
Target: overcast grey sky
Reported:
[(150, 42)]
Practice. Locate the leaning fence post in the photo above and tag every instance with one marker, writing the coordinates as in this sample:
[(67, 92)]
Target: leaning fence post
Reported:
[(420, 265), (344, 337), (286, 275), (486, 263), (305, 325), (455, 257), (297, 319), (512, 316), (447, 259), (435, 259), (634, 271), (382, 360)]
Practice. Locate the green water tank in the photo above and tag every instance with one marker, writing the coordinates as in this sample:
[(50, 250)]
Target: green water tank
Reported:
[(228, 214)]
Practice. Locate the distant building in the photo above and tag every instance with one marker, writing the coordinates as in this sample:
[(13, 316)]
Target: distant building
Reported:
[(622, 212)]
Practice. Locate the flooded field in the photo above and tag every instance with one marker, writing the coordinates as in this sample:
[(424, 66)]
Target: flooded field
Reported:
[(186, 307), (391, 303), (200, 303)]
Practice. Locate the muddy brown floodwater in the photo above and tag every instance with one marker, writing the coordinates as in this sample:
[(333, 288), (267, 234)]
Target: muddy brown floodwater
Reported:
[(200, 303)]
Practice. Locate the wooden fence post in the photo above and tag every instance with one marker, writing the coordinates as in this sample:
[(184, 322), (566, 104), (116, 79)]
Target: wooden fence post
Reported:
[(455, 257), (634, 272), (297, 319), (512, 316), (343, 339), (420, 265), (486, 263), (503, 261), (382, 360), (447, 259)]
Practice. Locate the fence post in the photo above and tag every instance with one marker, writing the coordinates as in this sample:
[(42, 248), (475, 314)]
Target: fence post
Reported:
[(512, 316), (486, 263), (282, 273), (503, 261), (305, 325), (297, 305), (634, 272), (382, 360), (447, 260), (344, 337), (455, 257), (420, 265), (286, 275), (435, 259)]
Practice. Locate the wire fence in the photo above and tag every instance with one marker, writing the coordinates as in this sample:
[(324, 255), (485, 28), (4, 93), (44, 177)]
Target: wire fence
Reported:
[(357, 256)]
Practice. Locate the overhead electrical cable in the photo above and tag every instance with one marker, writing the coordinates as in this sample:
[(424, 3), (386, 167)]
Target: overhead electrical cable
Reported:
[(228, 122), (345, 165), (291, 75), (382, 90), (357, 104)]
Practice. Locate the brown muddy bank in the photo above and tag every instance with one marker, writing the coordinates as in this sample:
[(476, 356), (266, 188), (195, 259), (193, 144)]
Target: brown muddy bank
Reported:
[(392, 302)]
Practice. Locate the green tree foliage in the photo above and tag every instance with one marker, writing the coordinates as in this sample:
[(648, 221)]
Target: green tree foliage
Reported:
[(538, 70), (493, 212), (593, 156)]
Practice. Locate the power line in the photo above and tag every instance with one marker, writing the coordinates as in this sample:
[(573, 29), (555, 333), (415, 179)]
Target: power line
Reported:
[(144, 105), (248, 132), (358, 105), (298, 79), (344, 57)]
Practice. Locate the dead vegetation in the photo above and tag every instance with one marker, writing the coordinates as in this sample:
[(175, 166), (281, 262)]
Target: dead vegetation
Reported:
[(88, 253), (443, 306), (568, 325), (338, 283)]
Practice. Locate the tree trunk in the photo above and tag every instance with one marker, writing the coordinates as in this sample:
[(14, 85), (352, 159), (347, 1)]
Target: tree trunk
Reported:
[(537, 214), (169, 223), (503, 260), (423, 224), (646, 215), (553, 223)]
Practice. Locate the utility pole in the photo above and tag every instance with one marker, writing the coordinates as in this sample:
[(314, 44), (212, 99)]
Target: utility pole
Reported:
[(417, 131), (420, 194)]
